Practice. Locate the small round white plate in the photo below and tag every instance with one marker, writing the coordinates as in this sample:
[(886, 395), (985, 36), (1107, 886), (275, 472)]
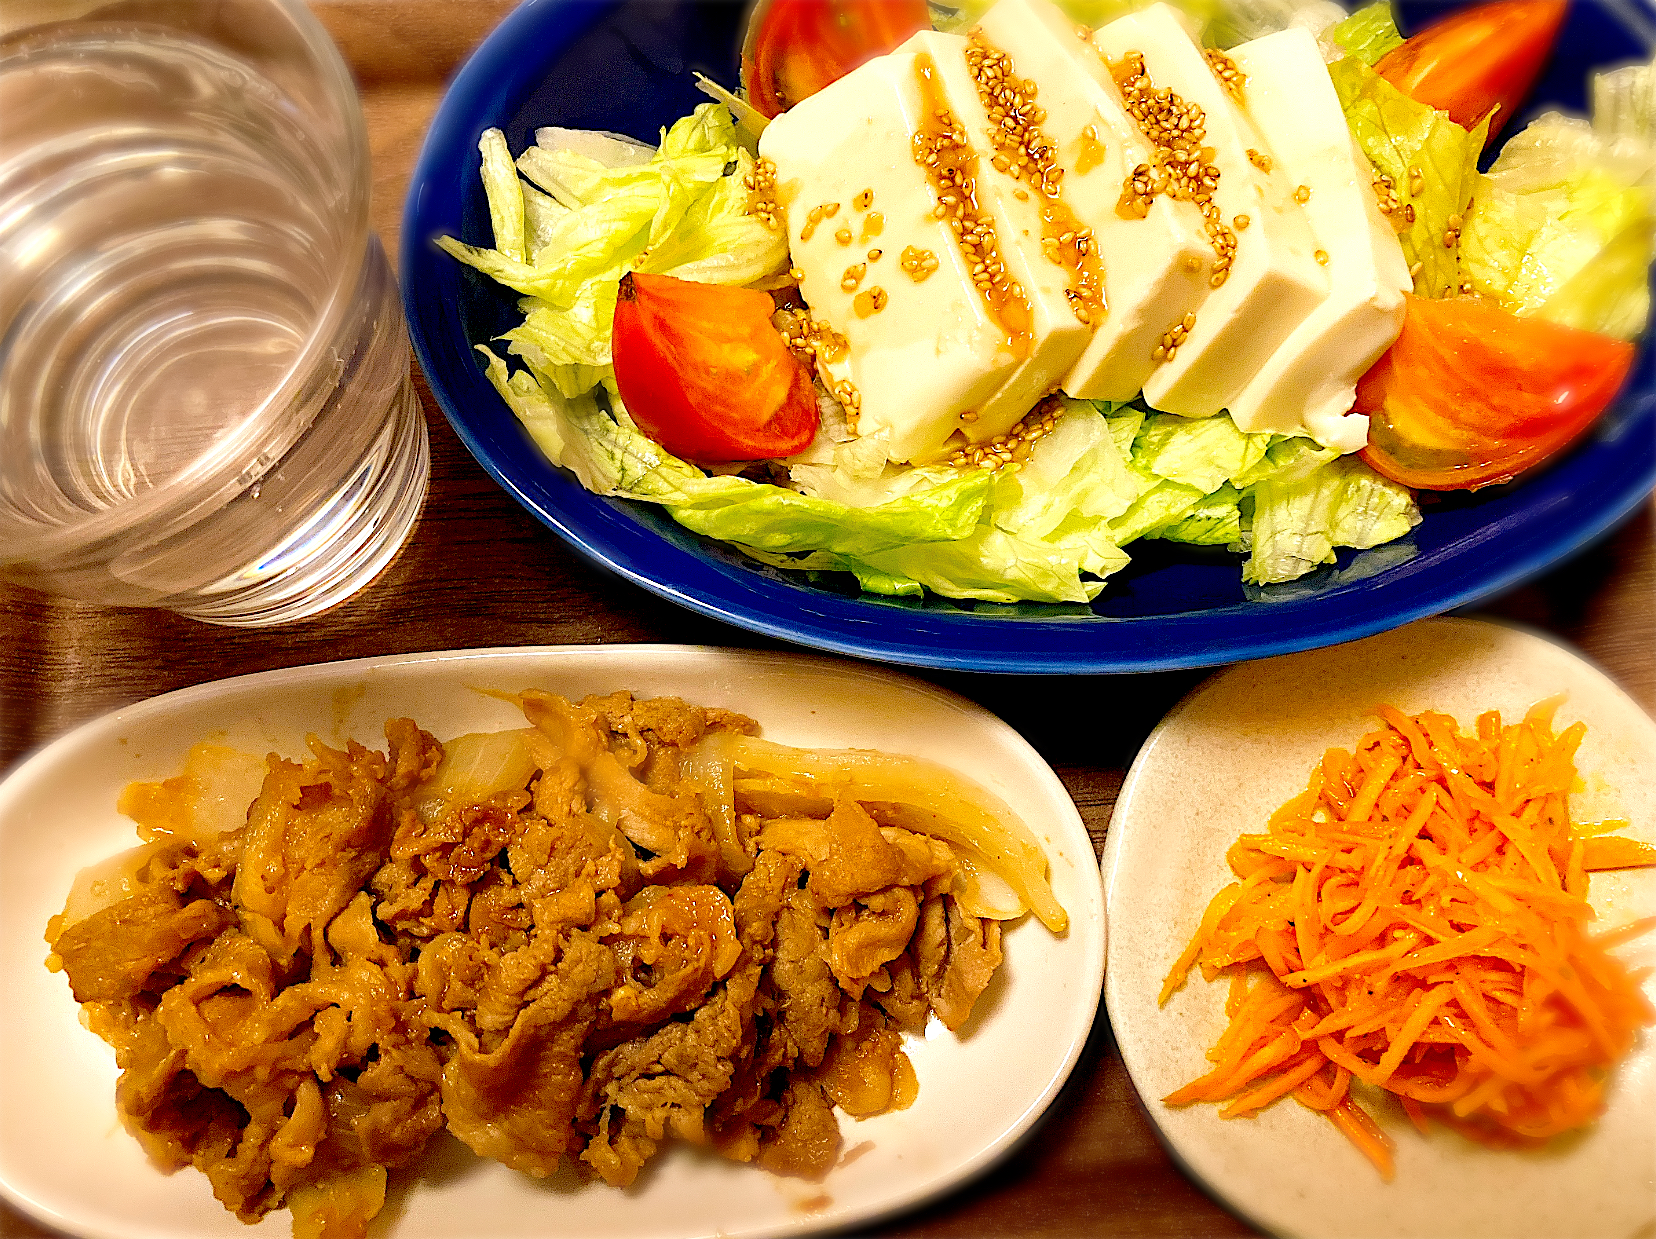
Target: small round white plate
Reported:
[(65, 1159), (1228, 755)]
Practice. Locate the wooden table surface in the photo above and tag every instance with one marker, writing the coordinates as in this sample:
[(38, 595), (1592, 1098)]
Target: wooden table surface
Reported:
[(479, 571)]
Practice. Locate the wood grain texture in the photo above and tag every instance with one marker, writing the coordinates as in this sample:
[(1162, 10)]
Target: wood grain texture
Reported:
[(479, 571)]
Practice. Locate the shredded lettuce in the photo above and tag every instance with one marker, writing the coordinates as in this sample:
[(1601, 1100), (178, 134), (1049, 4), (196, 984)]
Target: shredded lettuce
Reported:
[(501, 186), (1563, 225), (1216, 520), (595, 439), (1368, 34), (1297, 524), (599, 205), (1401, 136), (1045, 534), (1624, 102), (1203, 452), (1289, 500)]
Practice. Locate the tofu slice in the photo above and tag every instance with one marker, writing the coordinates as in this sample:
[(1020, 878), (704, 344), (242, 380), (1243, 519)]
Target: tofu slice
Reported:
[(1309, 383), (1155, 268), (1274, 280), (933, 366), (1058, 335)]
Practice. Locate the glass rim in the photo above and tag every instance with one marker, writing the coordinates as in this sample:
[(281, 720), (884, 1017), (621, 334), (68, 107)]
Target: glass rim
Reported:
[(215, 476)]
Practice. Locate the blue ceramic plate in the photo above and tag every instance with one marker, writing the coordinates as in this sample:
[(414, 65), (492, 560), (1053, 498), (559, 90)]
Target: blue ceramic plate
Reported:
[(626, 67)]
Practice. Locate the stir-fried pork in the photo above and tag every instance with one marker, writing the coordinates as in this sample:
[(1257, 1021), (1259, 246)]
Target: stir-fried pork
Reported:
[(572, 970)]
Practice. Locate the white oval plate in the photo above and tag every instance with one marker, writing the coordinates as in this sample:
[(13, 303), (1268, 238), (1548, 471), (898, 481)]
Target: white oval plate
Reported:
[(65, 1159), (1222, 760)]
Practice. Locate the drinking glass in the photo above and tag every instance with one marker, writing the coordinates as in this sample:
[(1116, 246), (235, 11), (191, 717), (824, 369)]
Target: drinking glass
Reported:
[(205, 402)]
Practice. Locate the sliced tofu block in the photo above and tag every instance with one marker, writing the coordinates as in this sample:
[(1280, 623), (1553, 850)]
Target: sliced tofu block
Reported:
[(1155, 267), (931, 359), (1272, 280), (933, 351), (1309, 383), (1057, 335)]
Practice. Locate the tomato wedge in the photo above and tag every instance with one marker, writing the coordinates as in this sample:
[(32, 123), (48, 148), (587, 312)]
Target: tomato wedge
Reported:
[(796, 47), (1471, 394), (704, 374), (1479, 58)]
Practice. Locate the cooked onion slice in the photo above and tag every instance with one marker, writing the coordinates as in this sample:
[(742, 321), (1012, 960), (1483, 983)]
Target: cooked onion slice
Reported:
[(957, 810), (476, 766)]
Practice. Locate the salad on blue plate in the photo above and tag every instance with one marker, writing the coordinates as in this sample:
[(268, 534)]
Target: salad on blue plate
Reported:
[(969, 300)]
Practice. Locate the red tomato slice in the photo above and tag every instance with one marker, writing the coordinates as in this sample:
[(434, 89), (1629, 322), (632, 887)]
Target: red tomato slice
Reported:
[(796, 47), (704, 374), (1480, 57), (1470, 394)]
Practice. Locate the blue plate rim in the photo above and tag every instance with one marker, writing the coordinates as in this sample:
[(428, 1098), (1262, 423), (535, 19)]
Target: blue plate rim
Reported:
[(829, 623)]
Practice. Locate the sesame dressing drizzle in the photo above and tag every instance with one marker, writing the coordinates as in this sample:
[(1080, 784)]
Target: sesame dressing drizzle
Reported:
[(761, 187), (1089, 150), (818, 345), (1230, 77), (1014, 446), (950, 164), (1183, 167), (1023, 151)]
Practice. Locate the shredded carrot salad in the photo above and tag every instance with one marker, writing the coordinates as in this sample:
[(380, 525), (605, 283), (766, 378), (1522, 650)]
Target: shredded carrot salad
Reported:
[(1416, 920)]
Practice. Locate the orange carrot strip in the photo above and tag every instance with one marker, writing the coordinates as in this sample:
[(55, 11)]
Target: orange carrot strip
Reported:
[(1421, 917), (1280, 1086), (1616, 853), (1423, 1014), (1373, 1143)]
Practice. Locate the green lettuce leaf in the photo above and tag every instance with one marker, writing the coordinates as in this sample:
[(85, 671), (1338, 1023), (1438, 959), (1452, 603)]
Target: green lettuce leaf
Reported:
[(1216, 520), (609, 455), (1624, 102), (601, 206), (1399, 136), (505, 195), (1203, 452), (1369, 33), (716, 241), (1611, 293), (568, 348), (1045, 534), (1564, 225), (1297, 524)]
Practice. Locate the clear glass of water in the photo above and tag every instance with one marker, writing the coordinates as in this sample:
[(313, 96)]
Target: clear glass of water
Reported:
[(205, 401)]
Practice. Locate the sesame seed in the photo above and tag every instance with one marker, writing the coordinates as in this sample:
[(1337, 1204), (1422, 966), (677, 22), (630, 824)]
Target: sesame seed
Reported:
[(1023, 151), (1241, 222), (864, 200), (1302, 194), (761, 186), (843, 236), (1230, 77), (1322, 257)]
